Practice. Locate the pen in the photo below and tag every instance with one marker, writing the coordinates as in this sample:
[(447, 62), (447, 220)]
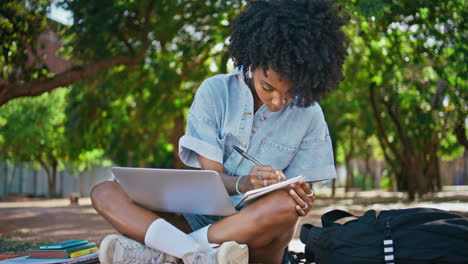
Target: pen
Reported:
[(247, 156)]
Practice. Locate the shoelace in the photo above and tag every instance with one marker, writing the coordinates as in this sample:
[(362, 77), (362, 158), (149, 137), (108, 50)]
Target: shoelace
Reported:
[(141, 254), (205, 256), (158, 259)]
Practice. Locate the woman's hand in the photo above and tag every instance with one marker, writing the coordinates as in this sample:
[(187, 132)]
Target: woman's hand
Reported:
[(303, 196), (260, 176)]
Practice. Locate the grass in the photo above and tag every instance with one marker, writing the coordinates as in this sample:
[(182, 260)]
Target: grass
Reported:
[(23, 231), (16, 247)]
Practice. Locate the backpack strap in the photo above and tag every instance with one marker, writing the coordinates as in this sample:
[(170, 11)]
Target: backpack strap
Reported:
[(329, 218), (296, 257), (309, 236)]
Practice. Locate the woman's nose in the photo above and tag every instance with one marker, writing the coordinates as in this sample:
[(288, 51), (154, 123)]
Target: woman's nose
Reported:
[(279, 101)]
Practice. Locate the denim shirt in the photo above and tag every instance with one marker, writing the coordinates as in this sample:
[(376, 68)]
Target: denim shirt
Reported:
[(295, 140)]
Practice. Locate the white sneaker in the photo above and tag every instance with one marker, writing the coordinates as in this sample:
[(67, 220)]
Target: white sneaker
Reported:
[(228, 253), (117, 249)]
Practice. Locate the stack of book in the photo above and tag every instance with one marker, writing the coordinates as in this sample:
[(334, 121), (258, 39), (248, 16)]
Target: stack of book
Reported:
[(65, 249), (71, 251)]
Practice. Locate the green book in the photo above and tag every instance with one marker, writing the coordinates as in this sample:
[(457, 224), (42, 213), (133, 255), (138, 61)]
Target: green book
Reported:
[(58, 253)]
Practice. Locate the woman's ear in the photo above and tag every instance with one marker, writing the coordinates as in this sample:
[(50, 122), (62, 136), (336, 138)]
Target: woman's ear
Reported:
[(249, 72)]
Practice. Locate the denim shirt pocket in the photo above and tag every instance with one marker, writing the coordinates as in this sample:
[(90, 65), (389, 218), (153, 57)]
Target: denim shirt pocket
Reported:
[(276, 155)]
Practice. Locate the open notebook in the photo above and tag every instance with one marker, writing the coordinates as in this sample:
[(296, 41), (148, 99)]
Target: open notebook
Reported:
[(253, 194)]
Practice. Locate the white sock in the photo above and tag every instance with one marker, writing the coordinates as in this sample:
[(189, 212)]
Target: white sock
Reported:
[(201, 235), (165, 237)]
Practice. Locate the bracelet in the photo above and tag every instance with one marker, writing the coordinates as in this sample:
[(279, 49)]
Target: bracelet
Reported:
[(237, 185)]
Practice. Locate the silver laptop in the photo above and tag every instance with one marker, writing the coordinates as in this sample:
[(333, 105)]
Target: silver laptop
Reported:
[(176, 191)]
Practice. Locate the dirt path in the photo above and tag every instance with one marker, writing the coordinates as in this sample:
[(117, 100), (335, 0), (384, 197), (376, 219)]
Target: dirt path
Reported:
[(31, 222), (55, 220)]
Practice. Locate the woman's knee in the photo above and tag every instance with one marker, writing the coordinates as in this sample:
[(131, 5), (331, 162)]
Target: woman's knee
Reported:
[(101, 193), (277, 211)]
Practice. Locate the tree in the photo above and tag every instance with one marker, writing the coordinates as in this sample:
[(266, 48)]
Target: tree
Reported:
[(408, 65), (136, 114), (85, 161), (127, 27), (32, 131), (137, 64), (127, 54)]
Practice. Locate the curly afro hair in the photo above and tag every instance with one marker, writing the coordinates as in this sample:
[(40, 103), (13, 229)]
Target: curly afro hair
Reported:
[(301, 40)]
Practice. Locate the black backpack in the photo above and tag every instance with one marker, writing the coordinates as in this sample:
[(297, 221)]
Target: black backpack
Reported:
[(407, 236)]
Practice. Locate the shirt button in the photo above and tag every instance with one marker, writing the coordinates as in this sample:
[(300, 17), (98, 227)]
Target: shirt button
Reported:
[(264, 117)]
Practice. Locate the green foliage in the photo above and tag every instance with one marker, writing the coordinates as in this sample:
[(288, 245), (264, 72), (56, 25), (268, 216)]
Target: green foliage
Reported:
[(372, 8), (132, 112), (362, 181), (405, 89), (408, 58), (449, 148), (32, 128), (21, 23), (386, 183)]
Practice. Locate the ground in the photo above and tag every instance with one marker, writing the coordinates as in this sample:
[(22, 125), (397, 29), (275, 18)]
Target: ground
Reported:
[(56, 220)]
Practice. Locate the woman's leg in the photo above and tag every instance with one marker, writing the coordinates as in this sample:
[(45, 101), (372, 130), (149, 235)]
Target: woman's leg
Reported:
[(266, 226), (129, 219)]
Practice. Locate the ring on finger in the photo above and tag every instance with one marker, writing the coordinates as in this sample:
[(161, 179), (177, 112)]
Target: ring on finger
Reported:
[(278, 174), (305, 206), (265, 182), (312, 191), (259, 175)]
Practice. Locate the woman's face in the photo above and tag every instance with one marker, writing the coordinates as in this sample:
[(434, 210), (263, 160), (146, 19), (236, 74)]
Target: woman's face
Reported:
[(272, 90)]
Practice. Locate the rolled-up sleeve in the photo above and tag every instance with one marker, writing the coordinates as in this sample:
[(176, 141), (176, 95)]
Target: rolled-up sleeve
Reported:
[(314, 158), (201, 133)]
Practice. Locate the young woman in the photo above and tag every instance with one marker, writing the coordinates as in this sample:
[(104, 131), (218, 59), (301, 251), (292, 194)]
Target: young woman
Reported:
[(288, 54)]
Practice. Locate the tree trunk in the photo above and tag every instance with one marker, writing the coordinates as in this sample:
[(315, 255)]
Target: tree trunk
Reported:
[(411, 186), (373, 175), (333, 193), (432, 170), (460, 133), (421, 182), (367, 172), (465, 167), (349, 174), (414, 160), (50, 184), (334, 143), (387, 146), (51, 176), (438, 179), (224, 60), (53, 182)]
